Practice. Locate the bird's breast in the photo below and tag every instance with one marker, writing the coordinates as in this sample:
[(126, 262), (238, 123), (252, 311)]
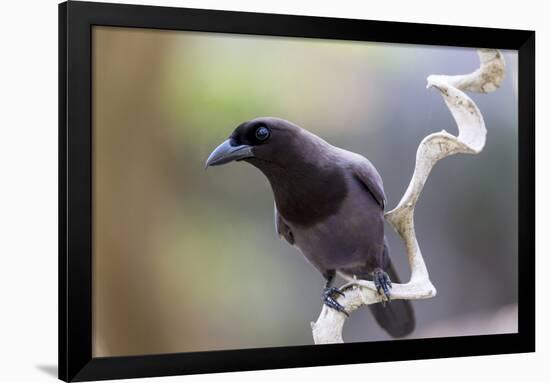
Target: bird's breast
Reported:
[(309, 197)]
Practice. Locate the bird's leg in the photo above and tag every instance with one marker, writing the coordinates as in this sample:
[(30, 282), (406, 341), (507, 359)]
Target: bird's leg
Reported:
[(330, 293), (382, 283)]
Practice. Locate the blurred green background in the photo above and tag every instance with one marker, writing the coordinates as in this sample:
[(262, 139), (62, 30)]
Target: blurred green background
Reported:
[(188, 260)]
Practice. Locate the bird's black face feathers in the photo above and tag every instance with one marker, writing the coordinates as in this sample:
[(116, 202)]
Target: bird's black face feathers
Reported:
[(264, 142), (273, 141), (253, 133)]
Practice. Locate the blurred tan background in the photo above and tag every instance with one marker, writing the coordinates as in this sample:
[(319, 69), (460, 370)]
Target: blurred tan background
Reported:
[(188, 260)]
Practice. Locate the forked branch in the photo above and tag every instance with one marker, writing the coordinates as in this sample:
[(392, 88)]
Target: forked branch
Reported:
[(434, 147)]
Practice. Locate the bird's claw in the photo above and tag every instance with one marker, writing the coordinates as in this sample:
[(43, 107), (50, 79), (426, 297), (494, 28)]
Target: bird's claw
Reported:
[(329, 299), (382, 283)]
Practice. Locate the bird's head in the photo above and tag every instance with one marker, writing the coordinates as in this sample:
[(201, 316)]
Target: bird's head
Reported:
[(263, 142)]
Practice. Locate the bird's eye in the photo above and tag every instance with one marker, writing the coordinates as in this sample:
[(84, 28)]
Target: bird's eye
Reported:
[(262, 133)]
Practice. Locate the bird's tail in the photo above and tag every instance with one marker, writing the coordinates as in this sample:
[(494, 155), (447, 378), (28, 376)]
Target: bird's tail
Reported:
[(396, 317)]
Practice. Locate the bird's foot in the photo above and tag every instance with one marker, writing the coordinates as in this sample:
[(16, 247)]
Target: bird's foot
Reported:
[(329, 296), (382, 283)]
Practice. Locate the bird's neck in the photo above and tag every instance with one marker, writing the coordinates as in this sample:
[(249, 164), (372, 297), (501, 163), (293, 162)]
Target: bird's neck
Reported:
[(305, 193)]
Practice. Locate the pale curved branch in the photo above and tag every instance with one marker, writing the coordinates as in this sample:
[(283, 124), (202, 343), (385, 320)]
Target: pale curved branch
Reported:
[(434, 147)]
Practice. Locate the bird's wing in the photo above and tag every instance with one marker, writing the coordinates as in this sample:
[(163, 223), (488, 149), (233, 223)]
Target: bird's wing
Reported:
[(367, 174), (283, 230)]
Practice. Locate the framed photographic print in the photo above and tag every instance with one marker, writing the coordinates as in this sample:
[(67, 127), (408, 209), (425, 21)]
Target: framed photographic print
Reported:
[(245, 191)]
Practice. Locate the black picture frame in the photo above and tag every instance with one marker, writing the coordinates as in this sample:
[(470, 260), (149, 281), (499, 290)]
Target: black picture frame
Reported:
[(75, 190)]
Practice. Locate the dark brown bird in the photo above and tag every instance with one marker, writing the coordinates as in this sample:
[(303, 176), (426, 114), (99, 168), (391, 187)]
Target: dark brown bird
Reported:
[(329, 203)]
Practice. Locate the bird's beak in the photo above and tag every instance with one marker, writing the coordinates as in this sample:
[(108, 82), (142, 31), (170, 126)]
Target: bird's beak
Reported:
[(226, 153)]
